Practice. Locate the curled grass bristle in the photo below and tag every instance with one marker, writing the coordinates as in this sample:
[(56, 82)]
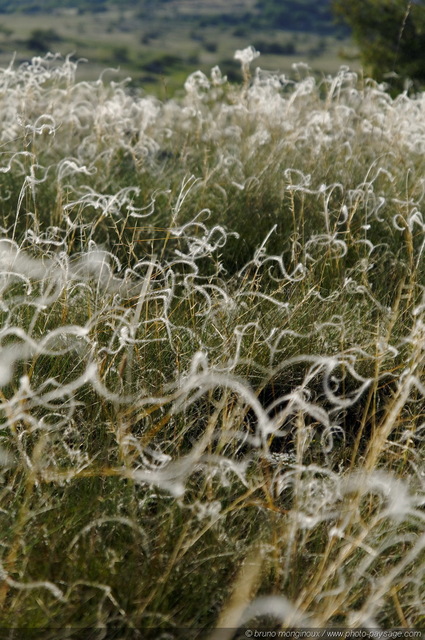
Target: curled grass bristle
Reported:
[(211, 352)]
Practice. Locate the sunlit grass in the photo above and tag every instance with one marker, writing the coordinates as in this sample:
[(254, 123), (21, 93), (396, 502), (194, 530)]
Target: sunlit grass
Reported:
[(211, 352)]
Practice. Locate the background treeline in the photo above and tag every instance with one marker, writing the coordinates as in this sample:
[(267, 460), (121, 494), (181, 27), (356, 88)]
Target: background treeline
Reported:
[(391, 38)]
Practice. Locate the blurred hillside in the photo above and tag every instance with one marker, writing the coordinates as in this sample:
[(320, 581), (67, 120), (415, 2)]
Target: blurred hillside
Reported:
[(159, 42)]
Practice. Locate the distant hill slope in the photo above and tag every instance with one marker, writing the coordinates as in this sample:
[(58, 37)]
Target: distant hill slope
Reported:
[(40, 6), (293, 15), (297, 15)]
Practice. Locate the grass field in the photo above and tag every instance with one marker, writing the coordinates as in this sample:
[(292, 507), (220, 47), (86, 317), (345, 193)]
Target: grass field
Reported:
[(212, 350)]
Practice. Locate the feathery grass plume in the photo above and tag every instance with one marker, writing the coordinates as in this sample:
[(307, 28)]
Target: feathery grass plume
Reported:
[(211, 352)]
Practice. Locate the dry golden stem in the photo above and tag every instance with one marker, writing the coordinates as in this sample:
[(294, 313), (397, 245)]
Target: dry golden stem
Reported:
[(244, 589)]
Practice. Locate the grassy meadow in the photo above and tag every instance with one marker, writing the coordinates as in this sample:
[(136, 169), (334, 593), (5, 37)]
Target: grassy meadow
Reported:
[(212, 342)]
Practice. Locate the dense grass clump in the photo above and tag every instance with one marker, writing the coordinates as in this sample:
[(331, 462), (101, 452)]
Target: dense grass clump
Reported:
[(212, 337)]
